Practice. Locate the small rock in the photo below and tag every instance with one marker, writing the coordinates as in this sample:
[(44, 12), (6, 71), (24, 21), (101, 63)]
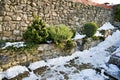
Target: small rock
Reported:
[(115, 59), (112, 49), (40, 70), (7, 18), (16, 32), (1, 18), (18, 18), (0, 28)]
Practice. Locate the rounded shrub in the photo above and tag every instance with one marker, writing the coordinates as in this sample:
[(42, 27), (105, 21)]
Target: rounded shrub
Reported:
[(36, 32), (90, 29), (60, 33)]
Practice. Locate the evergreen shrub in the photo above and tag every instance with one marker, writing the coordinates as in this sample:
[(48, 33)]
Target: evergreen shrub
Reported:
[(36, 32), (89, 29), (60, 33)]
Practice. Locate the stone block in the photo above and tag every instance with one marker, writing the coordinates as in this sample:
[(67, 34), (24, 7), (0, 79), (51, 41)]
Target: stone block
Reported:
[(0, 28), (7, 18), (23, 24), (9, 13), (18, 18), (23, 1), (1, 18), (7, 33), (19, 38), (16, 32), (24, 17), (115, 59), (2, 13), (5, 38)]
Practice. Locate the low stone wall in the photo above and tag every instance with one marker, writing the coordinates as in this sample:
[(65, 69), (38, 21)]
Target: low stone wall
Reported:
[(15, 15), (43, 52)]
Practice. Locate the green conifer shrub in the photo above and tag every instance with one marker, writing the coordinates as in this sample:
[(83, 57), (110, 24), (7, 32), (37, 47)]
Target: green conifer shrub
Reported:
[(60, 33), (89, 29), (36, 32)]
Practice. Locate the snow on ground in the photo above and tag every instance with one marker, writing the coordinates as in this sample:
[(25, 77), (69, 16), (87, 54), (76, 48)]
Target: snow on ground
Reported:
[(87, 74), (96, 56), (106, 26), (32, 77), (78, 36), (62, 68), (118, 54), (14, 71), (1, 75), (98, 34), (14, 44)]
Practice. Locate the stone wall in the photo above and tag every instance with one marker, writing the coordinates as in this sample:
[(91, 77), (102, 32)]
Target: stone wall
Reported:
[(9, 58), (15, 15)]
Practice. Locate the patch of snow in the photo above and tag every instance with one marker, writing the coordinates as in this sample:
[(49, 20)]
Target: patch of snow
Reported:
[(87, 74), (55, 61), (14, 71), (1, 75), (102, 73), (14, 44), (113, 68), (38, 64), (110, 40), (114, 71), (98, 34), (78, 36), (32, 76), (106, 26), (118, 54)]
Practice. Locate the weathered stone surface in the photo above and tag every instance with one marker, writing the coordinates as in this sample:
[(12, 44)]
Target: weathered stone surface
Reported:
[(24, 17), (9, 13), (1, 18), (112, 49), (19, 38), (16, 14), (23, 1), (43, 52), (7, 33), (23, 24), (46, 47), (0, 28), (19, 76), (18, 18), (117, 24), (87, 43), (16, 32), (40, 70), (3, 59), (115, 59), (5, 38), (7, 18)]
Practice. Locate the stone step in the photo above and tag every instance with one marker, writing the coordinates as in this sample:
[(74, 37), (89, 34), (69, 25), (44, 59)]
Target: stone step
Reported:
[(115, 59)]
